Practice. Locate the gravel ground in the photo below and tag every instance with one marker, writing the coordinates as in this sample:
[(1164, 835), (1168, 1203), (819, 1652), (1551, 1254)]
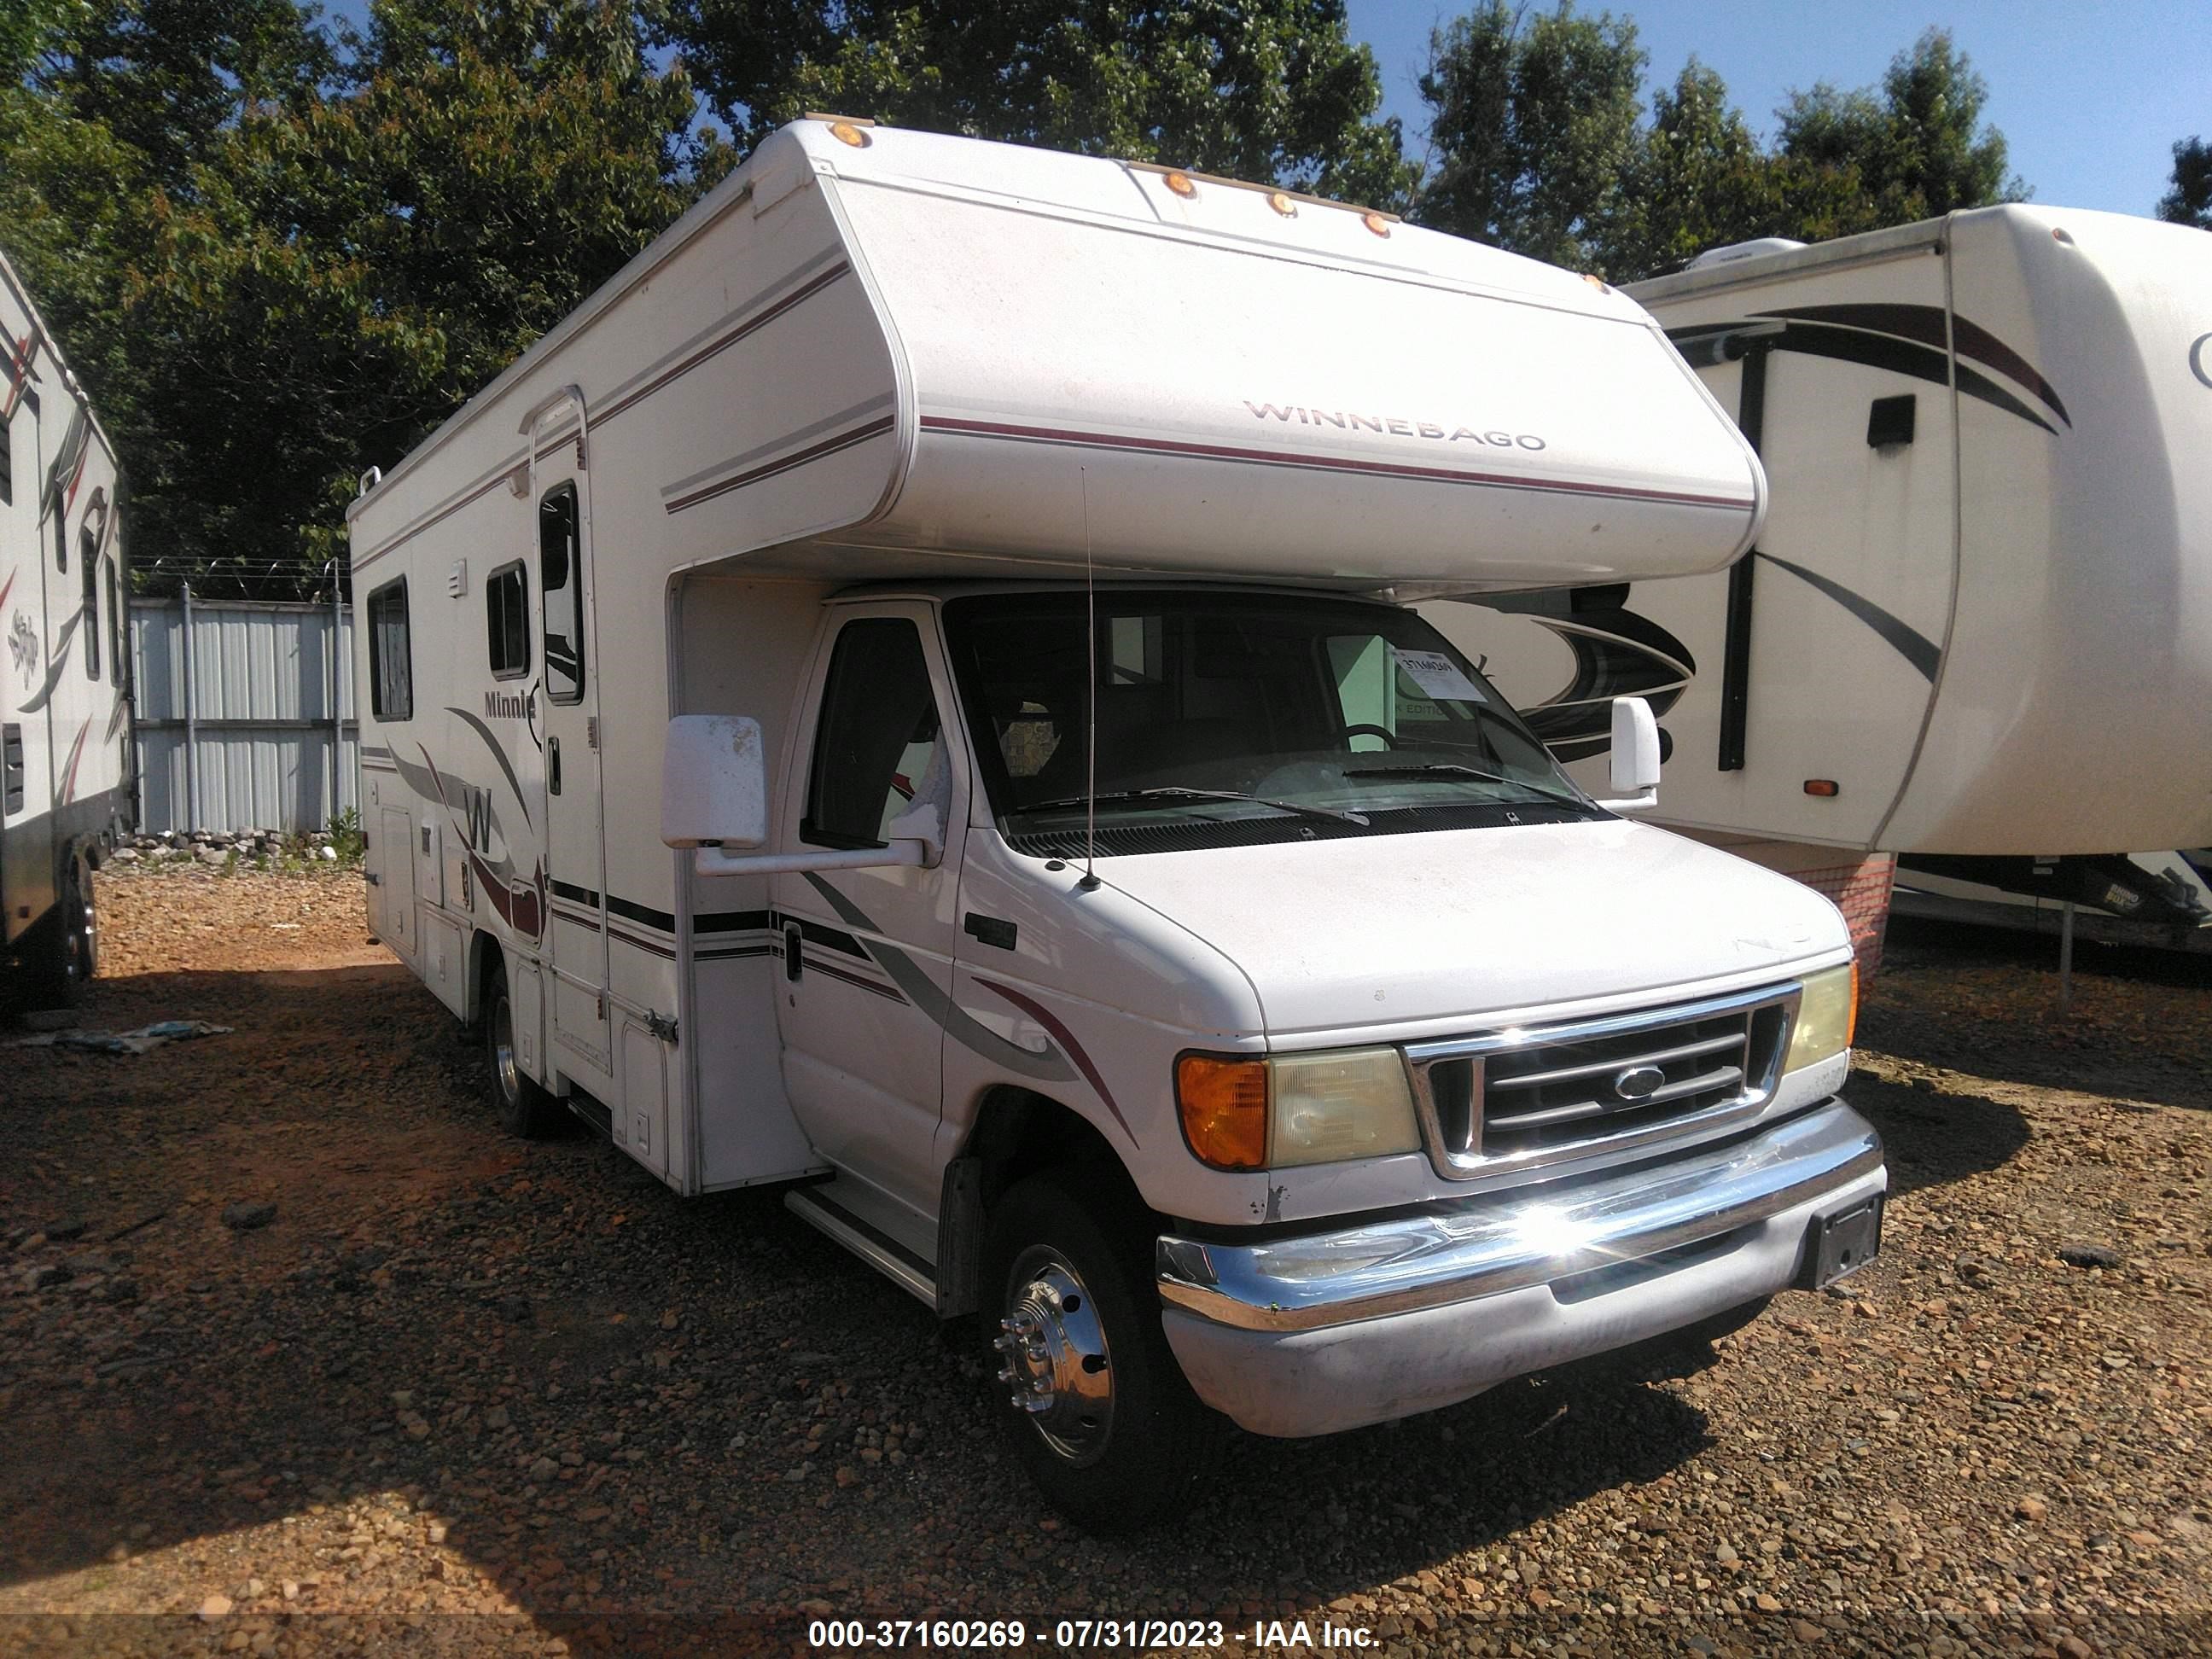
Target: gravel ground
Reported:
[(455, 1375)]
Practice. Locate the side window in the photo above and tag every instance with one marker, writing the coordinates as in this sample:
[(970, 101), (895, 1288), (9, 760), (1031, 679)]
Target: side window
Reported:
[(7, 457), (118, 627), (561, 579), (11, 769), (391, 671), (878, 744), (87, 553), (506, 621)]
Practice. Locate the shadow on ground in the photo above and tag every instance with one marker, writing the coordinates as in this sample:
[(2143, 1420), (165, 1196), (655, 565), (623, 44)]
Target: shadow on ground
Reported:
[(603, 1398)]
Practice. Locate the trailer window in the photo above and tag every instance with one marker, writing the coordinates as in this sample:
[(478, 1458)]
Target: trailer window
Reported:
[(877, 748), (506, 620), (88, 556), (390, 670), (561, 579), (11, 769), (7, 457)]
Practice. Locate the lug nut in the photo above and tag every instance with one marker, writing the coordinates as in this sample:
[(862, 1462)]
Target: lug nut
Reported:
[(1043, 1385)]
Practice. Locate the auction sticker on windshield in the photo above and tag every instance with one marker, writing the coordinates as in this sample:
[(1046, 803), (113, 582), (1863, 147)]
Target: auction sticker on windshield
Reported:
[(1437, 675)]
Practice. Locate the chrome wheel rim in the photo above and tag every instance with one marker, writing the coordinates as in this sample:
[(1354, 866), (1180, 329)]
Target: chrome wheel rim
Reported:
[(1054, 1357), (503, 1051)]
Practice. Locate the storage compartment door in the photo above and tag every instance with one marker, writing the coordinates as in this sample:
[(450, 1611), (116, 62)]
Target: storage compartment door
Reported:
[(393, 852)]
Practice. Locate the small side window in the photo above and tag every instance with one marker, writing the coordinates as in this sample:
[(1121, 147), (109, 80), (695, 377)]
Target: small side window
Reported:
[(391, 670), (878, 739), (506, 621), (88, 552), (7, 457), (561, 581)]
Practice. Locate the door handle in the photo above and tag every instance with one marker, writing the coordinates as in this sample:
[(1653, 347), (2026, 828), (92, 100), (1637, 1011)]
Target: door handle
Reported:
[(795, 951), (552, 766)]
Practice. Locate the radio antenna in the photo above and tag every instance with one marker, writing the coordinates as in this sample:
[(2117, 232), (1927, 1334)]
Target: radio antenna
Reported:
[(1090, 697)]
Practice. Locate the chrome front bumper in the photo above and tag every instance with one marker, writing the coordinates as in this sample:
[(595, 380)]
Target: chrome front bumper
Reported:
[(1324, 1331)]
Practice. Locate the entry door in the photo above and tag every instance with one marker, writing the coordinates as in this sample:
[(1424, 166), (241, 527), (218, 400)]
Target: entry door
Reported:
[(867, 974), (575, 809)]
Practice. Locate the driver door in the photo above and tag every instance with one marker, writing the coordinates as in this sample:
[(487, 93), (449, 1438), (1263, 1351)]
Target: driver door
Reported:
[(868, 954)]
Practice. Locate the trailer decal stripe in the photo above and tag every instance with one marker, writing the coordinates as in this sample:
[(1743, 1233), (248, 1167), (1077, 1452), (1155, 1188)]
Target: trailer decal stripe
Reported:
[(1002, 429), (758, 320), (1908, 641), (729, 921), (57, 659), (830, 446), (1927, 324), (860, 980)]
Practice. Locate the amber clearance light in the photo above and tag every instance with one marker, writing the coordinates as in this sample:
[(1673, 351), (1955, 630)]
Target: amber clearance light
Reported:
[(1222, 1101), (1181, 184)]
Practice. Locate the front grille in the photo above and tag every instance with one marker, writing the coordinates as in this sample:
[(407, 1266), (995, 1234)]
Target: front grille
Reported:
[(1518, 1096)]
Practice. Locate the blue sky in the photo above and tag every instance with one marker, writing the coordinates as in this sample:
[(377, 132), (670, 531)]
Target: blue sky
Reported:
[(2091, 96)]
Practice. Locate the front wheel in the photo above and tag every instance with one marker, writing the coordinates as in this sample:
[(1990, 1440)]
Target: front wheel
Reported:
[(523, 1106), (1100, 1414)]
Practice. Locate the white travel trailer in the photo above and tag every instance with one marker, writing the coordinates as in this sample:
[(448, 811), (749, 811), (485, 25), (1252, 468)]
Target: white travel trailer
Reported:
[(1978, 621), (67, 766), (904, 693)]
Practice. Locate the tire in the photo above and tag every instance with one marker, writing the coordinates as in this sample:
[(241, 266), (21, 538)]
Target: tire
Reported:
[(522, 1106), (1114, 1439), (68, 954)]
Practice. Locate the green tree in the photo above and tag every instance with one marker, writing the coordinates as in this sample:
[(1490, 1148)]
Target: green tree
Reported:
[(1533, 128), (1272, 91), (1696, 179), (1915, 149), (308, 284), (2189, 201)]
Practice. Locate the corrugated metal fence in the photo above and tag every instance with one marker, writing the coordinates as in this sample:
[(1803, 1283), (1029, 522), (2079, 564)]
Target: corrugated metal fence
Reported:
[(235, 715)]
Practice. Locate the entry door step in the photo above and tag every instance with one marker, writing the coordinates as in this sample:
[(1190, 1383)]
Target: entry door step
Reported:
[(834, 1208)]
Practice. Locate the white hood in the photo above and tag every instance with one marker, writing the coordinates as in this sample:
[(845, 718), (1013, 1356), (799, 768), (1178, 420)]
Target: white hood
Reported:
[(1481, 922)]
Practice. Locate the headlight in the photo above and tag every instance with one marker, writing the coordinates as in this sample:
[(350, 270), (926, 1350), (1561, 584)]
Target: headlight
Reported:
[(1827, 1014), (1250, 1112)]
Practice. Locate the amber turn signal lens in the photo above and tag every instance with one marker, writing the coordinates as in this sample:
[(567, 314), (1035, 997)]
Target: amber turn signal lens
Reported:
[(1851, 1023), (1824, 787), (1222, 1101)]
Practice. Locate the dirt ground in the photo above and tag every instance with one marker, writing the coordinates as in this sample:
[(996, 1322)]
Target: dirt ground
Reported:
[(464, 1393)]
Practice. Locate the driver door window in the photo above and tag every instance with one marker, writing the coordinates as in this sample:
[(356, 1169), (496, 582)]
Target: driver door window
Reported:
[(878, 748)]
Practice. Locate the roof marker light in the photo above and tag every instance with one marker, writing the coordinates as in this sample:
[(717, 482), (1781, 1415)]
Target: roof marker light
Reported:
[(1596, 281), (1824, 787), (1181, 184), (1282, 204), (1376, 222), (2060, 233), (846, 133)]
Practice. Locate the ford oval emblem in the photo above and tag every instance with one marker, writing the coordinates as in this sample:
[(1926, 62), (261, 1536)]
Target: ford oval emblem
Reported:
[(1639, 1082)]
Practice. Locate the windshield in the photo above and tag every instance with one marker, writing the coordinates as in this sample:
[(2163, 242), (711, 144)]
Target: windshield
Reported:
[(1229, 718)]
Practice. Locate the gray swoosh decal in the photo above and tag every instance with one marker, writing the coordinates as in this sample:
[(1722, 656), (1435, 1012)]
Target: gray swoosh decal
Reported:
[(499, 755), (55, 662), (923, 992), (1908, 641)]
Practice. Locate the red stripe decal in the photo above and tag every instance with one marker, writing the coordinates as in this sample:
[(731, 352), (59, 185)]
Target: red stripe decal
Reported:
[(76, 754), (1051, 1021), (1318, 463)]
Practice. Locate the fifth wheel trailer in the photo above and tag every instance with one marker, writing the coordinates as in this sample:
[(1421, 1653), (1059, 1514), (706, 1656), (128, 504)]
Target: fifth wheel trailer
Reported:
[(908, 693), (66, 759), (1978, 621)]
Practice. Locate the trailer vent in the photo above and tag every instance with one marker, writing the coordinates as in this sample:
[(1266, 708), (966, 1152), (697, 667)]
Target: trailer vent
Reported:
[(1513, 1097)]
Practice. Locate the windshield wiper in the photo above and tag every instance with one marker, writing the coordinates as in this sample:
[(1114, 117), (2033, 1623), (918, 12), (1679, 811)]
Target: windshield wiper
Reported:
[(1170, 791), (1454, 769)]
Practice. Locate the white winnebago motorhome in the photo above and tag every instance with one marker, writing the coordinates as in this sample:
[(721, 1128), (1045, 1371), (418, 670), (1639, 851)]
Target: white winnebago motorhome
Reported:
[(67, 764), (1977, 630), (906, 693)]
